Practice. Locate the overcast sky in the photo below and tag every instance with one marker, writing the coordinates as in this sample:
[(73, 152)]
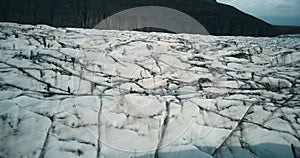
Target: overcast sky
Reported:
[(286, 12)]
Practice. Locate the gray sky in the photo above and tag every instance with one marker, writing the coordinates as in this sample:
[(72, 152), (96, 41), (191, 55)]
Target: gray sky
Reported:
[(281, 12)]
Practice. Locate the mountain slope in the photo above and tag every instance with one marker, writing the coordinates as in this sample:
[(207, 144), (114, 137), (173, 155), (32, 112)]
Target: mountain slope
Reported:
[(218, 19)]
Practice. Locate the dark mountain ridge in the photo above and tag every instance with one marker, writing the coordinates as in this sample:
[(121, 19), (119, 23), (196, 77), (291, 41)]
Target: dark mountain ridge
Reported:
[(218, 19)]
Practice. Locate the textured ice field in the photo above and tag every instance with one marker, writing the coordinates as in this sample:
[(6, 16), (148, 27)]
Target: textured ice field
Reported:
[(91, 93)]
